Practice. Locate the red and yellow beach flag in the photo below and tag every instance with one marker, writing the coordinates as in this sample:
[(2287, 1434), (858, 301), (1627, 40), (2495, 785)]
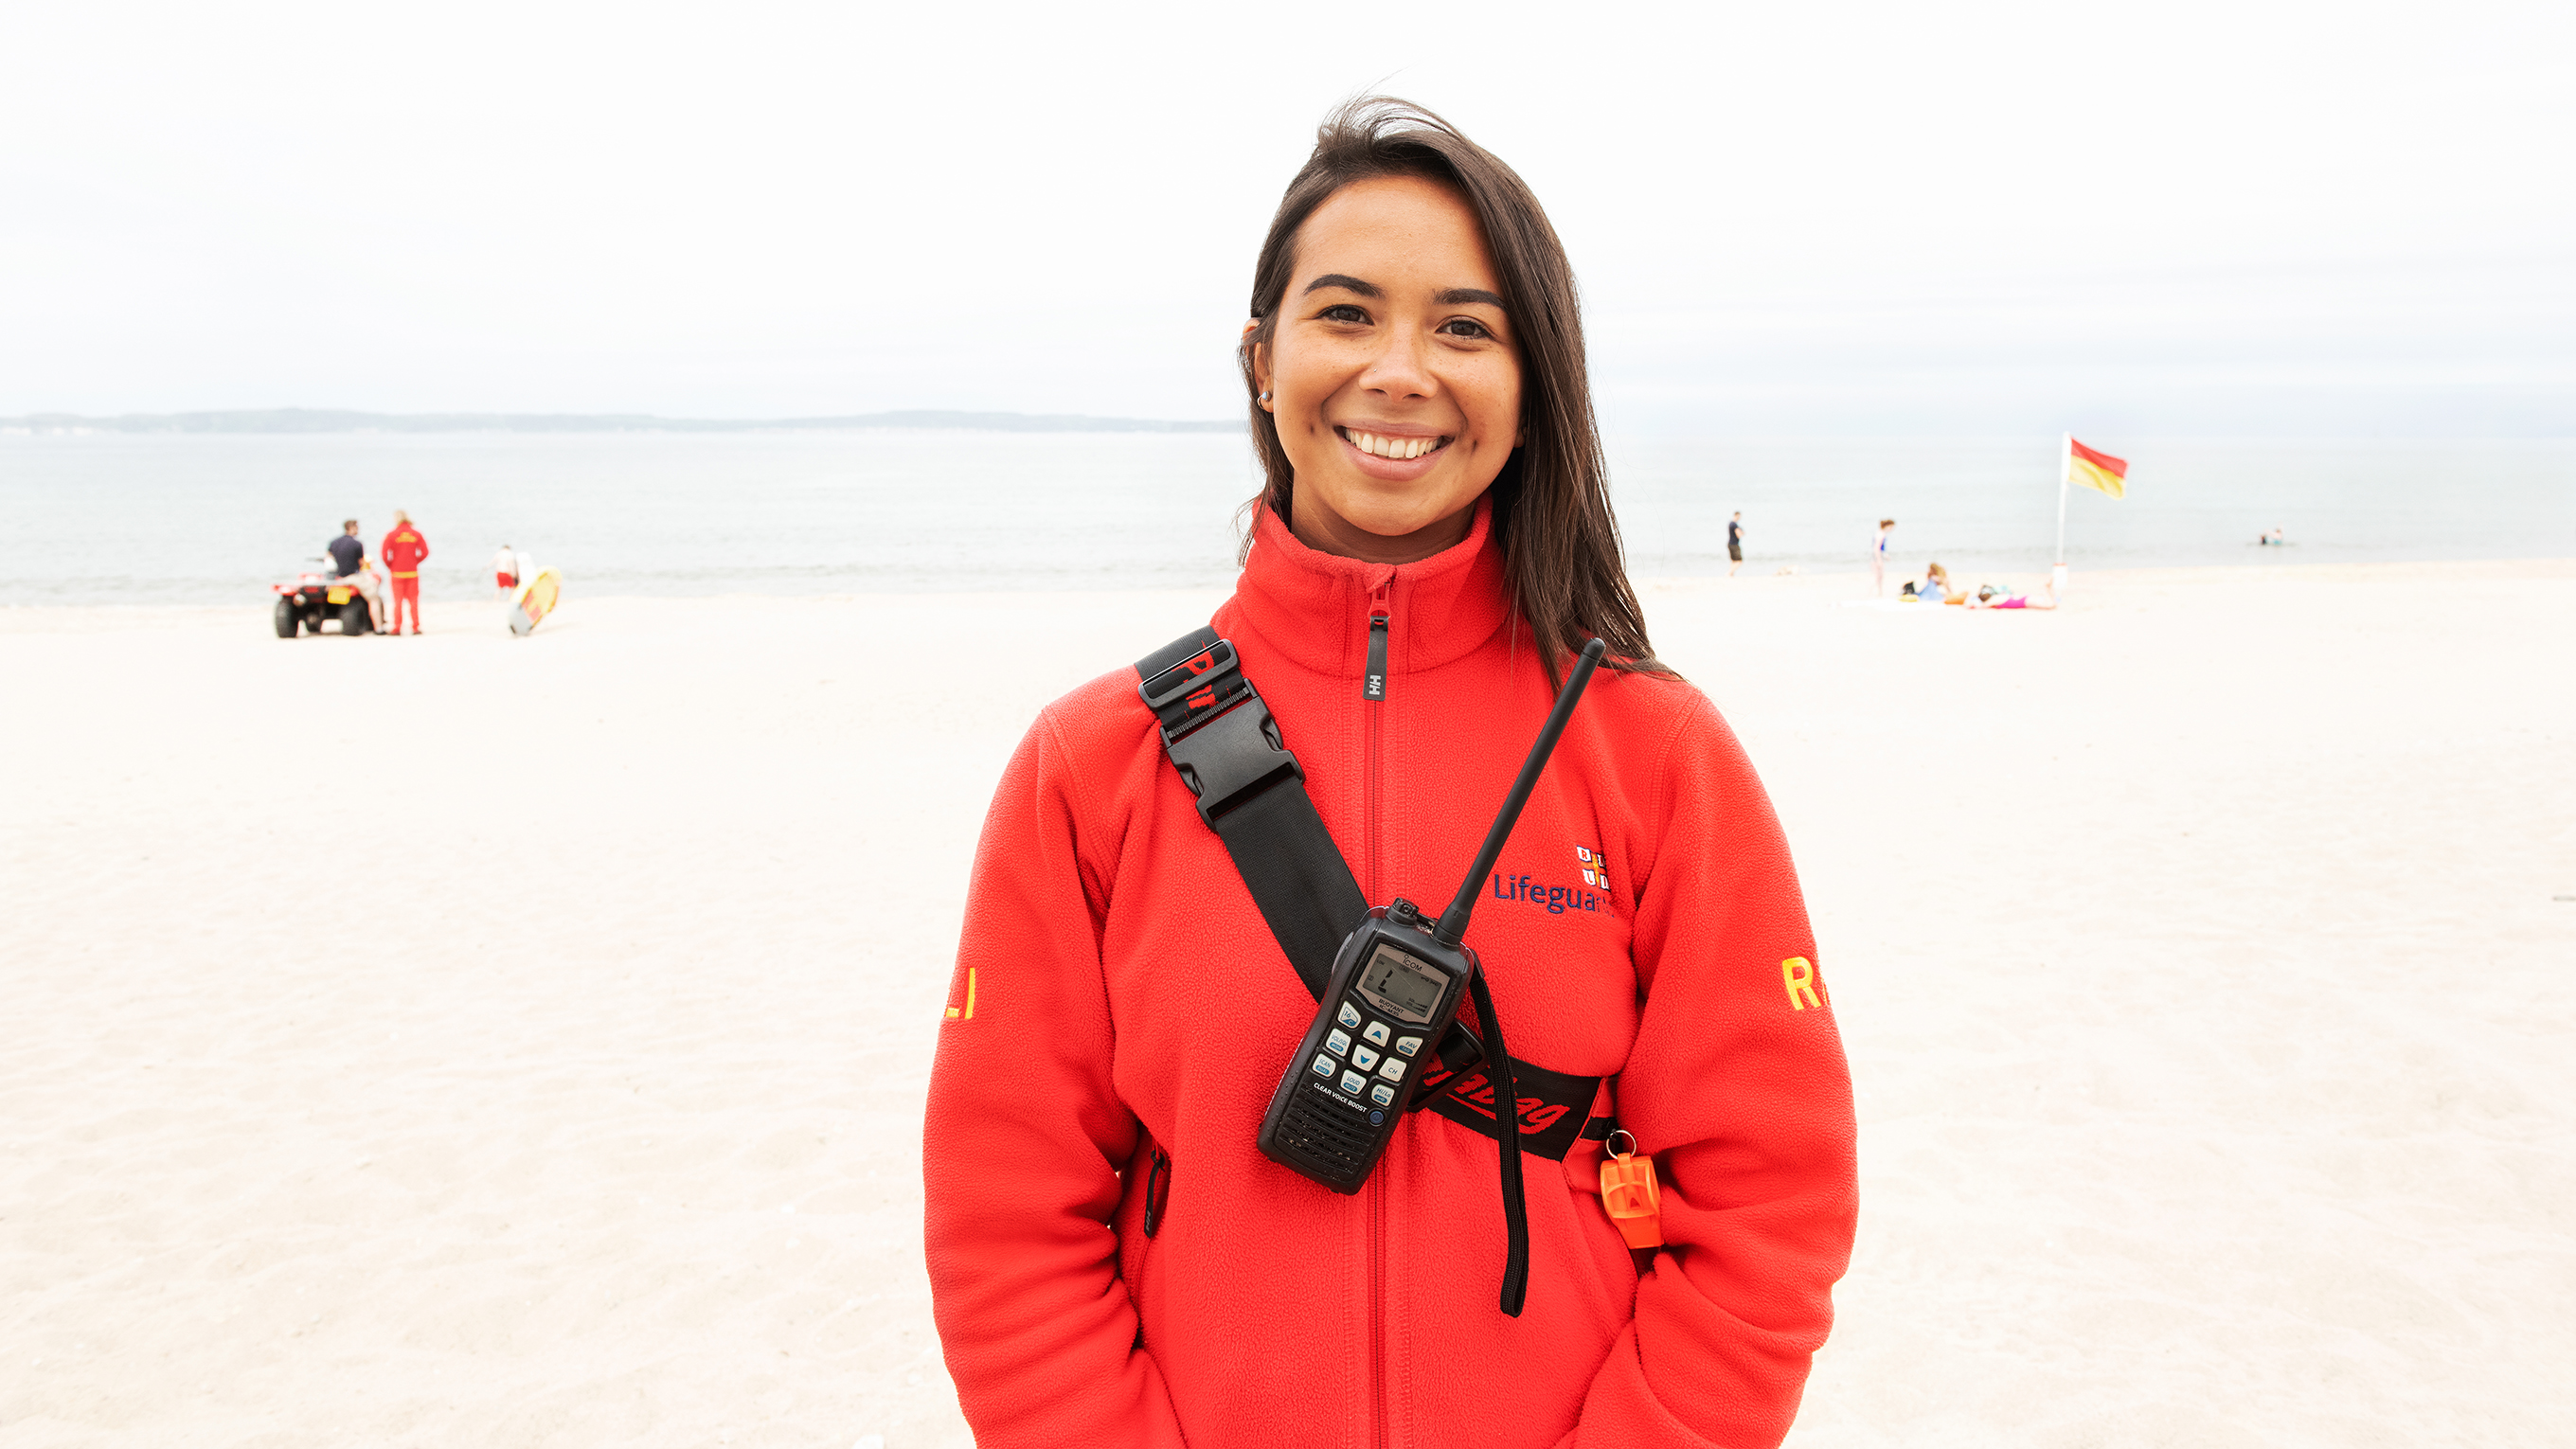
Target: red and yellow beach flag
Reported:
[(2098, 471)]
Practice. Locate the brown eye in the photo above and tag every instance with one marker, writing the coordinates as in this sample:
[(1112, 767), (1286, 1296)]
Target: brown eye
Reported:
[(1343, 312), (1464, 327)]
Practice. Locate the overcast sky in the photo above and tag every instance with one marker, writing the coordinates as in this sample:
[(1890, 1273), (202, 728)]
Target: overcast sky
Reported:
[(2176, 218)]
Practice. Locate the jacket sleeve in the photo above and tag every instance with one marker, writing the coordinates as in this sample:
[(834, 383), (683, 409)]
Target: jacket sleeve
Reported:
[(1024, 1141), (1737, 1086)]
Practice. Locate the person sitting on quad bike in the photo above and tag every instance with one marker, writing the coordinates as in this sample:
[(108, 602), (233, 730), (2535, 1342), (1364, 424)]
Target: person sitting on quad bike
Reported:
[(348, 550)]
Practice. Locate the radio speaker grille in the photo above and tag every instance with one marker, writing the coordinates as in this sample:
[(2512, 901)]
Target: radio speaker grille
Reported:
[(1331, 1137)]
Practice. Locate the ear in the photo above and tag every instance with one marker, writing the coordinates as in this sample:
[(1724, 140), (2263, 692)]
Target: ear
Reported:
[(1260, 356)]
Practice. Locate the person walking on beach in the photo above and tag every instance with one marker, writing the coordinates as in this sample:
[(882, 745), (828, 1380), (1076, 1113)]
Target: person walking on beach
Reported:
[(505, 571), (1734, 544), (1113, 1259), (402, 552), (1878, 557), (346, 551)]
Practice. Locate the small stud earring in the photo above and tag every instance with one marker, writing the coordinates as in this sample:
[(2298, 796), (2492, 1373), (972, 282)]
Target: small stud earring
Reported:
[(1265, 397)]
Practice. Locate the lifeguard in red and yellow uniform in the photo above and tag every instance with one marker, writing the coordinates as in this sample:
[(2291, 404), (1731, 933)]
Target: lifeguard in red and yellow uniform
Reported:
[(402, 553)]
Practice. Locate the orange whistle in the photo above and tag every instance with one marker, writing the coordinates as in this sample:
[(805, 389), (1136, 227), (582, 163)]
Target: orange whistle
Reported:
[(1629, 1195)]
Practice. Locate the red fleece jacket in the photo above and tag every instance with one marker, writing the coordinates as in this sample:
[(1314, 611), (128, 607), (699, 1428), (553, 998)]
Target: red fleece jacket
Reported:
[(404, 549), (1117, 993)]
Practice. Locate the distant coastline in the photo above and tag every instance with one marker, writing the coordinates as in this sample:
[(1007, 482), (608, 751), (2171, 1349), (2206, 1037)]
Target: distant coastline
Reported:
[(325, 420)]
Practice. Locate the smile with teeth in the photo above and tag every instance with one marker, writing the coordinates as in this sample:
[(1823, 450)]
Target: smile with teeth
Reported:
[(1398, 449)]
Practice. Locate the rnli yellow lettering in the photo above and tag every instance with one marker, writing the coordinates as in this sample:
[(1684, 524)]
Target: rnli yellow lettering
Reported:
[(1804, 989), (968, 1014)]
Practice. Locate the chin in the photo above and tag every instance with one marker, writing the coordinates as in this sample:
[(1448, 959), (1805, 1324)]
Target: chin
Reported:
[(1409, 507)]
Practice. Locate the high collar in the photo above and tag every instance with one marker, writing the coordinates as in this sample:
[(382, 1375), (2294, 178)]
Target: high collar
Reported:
[(1313, 607)]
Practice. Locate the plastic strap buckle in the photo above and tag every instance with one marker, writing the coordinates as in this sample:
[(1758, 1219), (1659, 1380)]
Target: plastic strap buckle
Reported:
[(1217, 730), (1196, 690)]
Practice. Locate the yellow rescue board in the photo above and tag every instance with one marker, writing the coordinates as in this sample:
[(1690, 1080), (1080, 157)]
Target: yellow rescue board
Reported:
[(534, 600)]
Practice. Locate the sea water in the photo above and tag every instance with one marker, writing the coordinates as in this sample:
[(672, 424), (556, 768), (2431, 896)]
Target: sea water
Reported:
[(109, 518)]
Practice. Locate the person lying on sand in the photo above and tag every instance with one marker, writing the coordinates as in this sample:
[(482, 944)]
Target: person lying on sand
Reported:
[(1988, 596)]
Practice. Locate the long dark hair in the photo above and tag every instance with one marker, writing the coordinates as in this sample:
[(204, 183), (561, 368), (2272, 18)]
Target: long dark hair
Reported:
[(1551, 501)]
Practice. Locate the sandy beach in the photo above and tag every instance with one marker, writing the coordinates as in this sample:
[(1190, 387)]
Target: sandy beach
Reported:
[(486, 1042)]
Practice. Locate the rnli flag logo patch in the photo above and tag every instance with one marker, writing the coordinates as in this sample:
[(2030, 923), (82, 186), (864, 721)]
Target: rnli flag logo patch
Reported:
[(1596, 871)]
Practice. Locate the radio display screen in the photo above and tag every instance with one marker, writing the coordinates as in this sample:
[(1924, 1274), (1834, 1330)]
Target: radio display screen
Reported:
[(1401, 985)]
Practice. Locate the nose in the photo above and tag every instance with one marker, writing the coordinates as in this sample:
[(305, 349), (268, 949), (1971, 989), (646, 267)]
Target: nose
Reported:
[(1402, 367)]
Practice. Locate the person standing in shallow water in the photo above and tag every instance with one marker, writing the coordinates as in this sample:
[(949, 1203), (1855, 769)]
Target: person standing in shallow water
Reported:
[(1734, 544), (1112, 1258)]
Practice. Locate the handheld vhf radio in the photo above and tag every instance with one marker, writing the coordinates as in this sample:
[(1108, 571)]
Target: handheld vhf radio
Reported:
[(1395, 989)]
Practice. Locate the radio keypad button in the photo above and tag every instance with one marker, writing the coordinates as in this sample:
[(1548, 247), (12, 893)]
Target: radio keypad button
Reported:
[(1392, 1068), (1339, 1043), (1363, 1058), (1352, 1082), (1406, 1046), (1382, 1094), (1350, 1015), (1376, 1033), (1324, 1065)]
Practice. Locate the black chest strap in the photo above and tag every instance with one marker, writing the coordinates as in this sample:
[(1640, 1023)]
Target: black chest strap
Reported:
[(1251, 791)]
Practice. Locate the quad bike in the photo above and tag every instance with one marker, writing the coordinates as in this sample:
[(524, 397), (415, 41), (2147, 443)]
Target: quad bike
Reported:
[(320, 596)]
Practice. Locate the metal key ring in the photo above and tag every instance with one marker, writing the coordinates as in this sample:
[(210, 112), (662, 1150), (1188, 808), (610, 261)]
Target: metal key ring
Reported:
[(1610, 1144)]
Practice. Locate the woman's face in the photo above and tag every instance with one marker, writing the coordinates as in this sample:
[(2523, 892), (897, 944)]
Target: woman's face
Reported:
[(1393, 371)]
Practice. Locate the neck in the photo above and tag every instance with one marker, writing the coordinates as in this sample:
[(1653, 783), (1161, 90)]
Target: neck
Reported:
[(1325, 531)]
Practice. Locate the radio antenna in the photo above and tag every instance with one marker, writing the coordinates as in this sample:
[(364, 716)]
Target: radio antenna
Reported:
[(1453, 921)]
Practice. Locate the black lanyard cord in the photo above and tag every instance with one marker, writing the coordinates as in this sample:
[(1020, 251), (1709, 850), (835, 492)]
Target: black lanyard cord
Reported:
[(1507, 1122)]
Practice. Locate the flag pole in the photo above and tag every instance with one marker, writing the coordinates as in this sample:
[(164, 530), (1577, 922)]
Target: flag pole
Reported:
[(2065, 463)]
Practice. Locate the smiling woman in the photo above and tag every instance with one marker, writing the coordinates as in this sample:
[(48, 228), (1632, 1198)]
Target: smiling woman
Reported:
[(1393, 384), (1114, 1258), (1412, 301)]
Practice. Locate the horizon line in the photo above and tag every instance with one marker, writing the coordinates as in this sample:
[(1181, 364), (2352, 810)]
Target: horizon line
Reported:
[(344, 420)]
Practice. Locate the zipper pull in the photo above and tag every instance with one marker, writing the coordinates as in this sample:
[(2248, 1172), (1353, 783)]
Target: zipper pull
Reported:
[(1158, 1178), (1373, 686)]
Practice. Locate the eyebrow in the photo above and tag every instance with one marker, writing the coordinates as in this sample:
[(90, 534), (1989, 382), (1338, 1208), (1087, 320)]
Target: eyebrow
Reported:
[(1453, 297), (1346, 283)]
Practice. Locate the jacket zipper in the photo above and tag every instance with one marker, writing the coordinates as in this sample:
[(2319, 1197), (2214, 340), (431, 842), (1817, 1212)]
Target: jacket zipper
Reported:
[(1373, 692)]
